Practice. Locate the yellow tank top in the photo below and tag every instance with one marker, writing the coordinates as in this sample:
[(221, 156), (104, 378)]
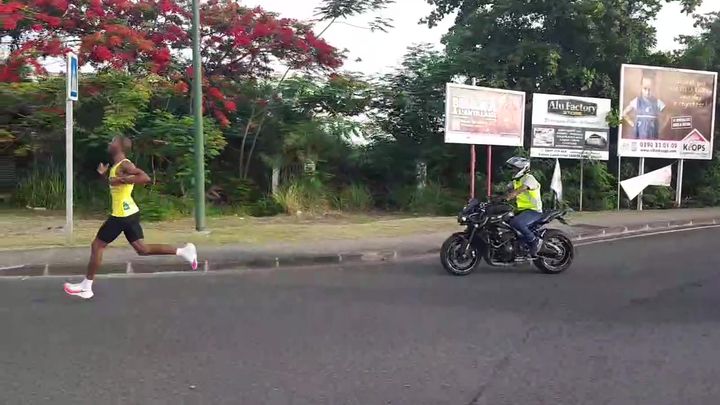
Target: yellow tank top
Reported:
[(123, 204)]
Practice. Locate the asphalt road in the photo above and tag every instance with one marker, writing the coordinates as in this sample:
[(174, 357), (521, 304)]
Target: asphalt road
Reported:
[(634, 322)]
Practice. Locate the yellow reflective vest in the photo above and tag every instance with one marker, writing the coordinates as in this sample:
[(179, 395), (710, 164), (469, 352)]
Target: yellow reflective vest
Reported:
[(530, 199)]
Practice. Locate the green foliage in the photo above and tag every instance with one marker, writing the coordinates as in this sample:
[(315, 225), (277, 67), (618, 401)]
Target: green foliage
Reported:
[(433, 199), (599, 185), (168, 141), (161, 207), (658, 197), (43, 187), (354, 198), (342, 9), (30, 116), (305, 196), (266, 207), (570, 47)]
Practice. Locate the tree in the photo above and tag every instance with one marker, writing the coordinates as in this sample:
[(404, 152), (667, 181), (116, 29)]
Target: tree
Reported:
[(702, 52), (148, 36), (409, 111), (329, 12)]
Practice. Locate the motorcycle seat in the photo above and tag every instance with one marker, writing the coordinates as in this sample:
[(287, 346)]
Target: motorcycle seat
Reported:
[(547, 217)]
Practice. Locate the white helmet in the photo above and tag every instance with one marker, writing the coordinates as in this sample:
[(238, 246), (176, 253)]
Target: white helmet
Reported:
[(521, 164)]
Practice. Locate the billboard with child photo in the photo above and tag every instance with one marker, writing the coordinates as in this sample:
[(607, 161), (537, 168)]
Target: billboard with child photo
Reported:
[(666, 113)]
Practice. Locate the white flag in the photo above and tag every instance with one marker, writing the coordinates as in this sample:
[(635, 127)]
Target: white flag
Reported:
[(635, 185), (556, 183)]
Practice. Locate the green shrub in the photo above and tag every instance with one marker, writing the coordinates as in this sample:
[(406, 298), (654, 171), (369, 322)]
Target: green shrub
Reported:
[(434, 199), (307, 195), (92, 197), (161, 207), (354, 198), (265, 207), (238, 191), (658, 198), (42, 188)]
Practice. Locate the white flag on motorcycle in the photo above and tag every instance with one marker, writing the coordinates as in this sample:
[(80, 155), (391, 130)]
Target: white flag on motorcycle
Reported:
[(556, 183), (635, 185)]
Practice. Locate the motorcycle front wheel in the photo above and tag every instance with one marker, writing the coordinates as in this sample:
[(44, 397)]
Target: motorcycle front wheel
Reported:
[(557, 253), (459, 257)]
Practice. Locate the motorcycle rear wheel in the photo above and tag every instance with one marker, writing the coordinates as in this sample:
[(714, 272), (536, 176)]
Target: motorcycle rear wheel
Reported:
[(457, 260), (561, 262)]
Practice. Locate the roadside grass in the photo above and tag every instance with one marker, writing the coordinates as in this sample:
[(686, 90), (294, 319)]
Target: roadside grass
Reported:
[(23, 229)]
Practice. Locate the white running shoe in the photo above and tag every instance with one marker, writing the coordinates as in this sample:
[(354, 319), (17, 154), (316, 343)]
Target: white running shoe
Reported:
[(77, 290), (189, 253)]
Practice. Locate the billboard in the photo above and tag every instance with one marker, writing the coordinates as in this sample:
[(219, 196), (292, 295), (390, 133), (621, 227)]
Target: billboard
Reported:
[(484, 116), (569, 127), (666, 113)]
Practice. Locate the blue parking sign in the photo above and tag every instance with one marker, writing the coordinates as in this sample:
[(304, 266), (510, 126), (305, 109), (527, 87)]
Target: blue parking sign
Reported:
[(72, 77)]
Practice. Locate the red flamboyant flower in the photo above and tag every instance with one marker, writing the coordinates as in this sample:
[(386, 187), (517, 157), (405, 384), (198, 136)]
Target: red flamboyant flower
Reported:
[(215, 93), (239, 44), (181, 87), (102, 53), (114, 41), (221, 118), (230, 105), (52, 21)]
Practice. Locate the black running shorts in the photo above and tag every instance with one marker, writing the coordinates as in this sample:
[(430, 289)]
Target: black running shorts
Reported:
[(114, 226)]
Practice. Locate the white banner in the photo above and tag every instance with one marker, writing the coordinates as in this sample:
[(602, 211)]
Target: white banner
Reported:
[(569, 127), (556, 183), (635, 185)]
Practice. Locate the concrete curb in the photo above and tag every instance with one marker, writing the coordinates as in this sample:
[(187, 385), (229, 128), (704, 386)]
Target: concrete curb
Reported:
[(303, 260)]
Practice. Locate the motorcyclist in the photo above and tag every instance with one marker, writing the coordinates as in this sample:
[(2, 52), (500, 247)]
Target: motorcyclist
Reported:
[(526, 193)]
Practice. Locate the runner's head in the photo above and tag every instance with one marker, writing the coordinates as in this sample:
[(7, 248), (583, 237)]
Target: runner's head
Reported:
[(119, 144)]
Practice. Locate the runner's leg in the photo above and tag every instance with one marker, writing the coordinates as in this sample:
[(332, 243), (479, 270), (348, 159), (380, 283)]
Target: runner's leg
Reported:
[(97, 248), (135, 236), (144, 249), (108, 232)]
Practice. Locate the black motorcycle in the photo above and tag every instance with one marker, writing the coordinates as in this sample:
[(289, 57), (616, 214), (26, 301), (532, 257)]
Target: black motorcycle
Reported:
[(489, 236)]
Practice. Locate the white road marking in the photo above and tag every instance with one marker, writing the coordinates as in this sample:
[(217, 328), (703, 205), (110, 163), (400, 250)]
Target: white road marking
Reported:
[(12, 267), (645, 234)]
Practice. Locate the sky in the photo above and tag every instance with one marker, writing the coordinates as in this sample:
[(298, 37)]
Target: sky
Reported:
[(380, 52)]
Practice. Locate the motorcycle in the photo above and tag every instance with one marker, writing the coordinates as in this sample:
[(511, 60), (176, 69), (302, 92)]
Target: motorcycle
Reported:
[(488, 236)]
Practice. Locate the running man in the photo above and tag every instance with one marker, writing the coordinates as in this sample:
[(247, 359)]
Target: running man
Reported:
[(125, 218)]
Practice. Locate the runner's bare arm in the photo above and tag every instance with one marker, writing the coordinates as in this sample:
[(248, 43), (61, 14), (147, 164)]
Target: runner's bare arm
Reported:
[(102, 169), (130, 174)]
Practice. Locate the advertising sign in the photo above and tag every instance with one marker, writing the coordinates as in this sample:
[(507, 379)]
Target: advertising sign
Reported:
[(484, 116), (667, 113), (568, 127)]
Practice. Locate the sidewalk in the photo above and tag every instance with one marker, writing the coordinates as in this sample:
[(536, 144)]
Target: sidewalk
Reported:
[(396, 238)]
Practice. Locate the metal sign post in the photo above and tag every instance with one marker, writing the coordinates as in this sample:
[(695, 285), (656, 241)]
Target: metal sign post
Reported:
[(678, 188), (619, 178), (197, 107), (641, 171), (582, 160), (489, 171), (72, 96), (472, 171)]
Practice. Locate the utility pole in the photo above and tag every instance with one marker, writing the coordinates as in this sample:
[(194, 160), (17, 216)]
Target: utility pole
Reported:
[(198, 113)]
